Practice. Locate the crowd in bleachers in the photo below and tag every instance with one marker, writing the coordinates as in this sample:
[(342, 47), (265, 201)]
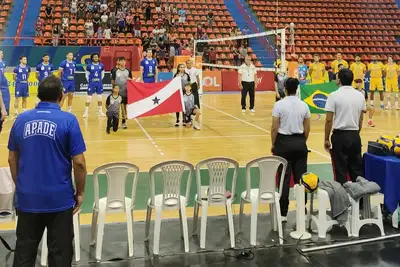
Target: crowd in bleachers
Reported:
[(168, 28)]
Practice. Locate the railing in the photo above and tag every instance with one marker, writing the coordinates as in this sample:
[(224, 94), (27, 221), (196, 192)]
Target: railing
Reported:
[(76, 41)]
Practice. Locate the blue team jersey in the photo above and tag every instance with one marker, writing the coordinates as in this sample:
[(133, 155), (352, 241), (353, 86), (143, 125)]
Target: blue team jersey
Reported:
[(68, 70), (302, 73), (149, 67), (4, 82), (22, 73), (44, 70), (95, 72)]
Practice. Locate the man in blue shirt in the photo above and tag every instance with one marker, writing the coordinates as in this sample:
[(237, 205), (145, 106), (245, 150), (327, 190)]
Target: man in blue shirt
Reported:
[(4, 84), (67, 73), (148, 68), (44, 144), (21, 75), (44, 69), (302, 71), (95, 75)]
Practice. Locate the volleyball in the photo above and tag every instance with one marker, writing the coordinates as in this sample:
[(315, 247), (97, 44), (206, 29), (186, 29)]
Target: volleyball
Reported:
[(396, 146), (310, 182), (386, 140)]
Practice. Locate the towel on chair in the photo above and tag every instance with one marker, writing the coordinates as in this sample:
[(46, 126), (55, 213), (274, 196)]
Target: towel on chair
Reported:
[(361, 188), (339, 199)]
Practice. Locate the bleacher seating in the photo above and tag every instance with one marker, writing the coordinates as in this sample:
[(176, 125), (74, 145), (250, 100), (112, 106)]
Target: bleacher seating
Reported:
[(326, 27), (4, 13)]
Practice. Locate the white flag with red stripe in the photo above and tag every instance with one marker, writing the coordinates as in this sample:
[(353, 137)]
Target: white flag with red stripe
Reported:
[(149, 99)]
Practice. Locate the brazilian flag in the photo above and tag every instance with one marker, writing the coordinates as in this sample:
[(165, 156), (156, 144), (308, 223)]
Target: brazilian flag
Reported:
[(315, 95)]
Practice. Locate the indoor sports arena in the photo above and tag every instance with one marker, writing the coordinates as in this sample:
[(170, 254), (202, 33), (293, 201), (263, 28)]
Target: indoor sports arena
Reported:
[(199, 133)]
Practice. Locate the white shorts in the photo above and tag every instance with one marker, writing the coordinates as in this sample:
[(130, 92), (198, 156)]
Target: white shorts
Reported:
[(158, 9), (182, 19)]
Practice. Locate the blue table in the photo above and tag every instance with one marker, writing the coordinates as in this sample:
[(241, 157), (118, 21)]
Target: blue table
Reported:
[(385, 171)]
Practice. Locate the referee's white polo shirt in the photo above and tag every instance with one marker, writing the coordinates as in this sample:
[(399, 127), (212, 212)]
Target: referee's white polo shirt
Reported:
[(247, 72), (291, 112), (347, 104), (193, 74)]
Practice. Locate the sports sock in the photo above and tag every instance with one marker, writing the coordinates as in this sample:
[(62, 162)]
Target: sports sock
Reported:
[(86, 109)]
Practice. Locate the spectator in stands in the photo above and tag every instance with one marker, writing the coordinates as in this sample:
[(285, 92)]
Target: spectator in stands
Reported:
[(161, 54), (145, 43), (137, 16), (210, 18), (129, 22), (171, 55), (39, 27), (153, 46), (49, 13), (158, 6), (113, 19), (212, 56), (65, 21), (182, 15), (156, 32), (236, 56), (246, 31), (96, 6), (121, 22), (55, 34), (96, 21), (99, 35), (89, 28), (163, 35), (147, 12), (137, 26), (103, 7), (89, 7), (124, 6), (107, 35), (81, 10), (74, 8), (104, 19), (243, 53), (200, 31), (112, 7)]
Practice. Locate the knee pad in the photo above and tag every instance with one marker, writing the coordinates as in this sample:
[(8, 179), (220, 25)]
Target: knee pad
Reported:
[(88, 98), (99, 98)]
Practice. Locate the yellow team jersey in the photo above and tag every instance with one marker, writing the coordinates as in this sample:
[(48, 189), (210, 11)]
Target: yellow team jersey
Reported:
[(318, 70), (376, 69), (358, 70), (392, 71), (335, 65)]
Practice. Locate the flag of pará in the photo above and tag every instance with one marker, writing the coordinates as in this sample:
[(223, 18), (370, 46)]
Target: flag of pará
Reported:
[(150, 99), (315, 95)]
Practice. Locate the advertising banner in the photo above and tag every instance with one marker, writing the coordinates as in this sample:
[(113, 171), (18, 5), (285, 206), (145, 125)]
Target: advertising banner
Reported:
[(81, 84), (212, 81)]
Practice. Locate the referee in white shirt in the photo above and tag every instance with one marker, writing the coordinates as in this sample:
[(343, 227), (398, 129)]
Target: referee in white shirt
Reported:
[(247, 82), (289, 134), (194, 75), (345, 110)]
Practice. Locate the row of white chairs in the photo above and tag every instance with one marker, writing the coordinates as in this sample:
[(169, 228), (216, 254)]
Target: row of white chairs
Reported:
[(170, 176)]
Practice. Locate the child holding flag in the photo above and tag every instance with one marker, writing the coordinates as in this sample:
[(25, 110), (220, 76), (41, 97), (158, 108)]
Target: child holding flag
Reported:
[(358, 85)]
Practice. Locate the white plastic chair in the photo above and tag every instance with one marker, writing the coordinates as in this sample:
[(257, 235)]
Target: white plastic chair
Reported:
[(214, 194), (324, 222), (266, 193), (77, 241), (170, 199), (115, 201), (369, 216)]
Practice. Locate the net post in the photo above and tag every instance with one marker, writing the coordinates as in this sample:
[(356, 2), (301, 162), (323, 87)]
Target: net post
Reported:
[(194, 52), (283, 50)]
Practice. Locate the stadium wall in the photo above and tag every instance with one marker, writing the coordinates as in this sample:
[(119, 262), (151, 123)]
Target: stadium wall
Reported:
[(14, 21)]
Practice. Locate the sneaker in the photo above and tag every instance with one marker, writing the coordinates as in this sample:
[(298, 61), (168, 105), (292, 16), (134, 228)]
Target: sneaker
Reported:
[(388, 107), (396, 107), (370, 123), (177, 124), (101, 114), (243, 111), (382, 107), (108, 130), (16, 114), (283, 219), (196, 126), (85, 115), (252, 111), (124, 126)]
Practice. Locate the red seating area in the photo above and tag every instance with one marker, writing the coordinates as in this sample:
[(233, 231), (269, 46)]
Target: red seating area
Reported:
[(5, 10), (364, 27)]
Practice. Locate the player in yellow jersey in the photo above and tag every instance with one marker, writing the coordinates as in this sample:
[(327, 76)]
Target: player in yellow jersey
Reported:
[(339, 60), (317, 71), (376, 70), (392, 71), (359, 69)]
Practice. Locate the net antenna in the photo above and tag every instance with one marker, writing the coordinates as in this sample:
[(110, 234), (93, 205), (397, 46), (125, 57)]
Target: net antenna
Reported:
[(282, 57)]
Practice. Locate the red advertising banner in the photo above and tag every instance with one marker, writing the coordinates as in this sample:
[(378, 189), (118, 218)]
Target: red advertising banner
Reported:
[(212, 81), (265, 81)]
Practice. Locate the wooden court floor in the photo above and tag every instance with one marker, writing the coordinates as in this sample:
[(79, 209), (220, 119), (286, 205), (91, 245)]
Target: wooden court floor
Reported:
[(225, 132)]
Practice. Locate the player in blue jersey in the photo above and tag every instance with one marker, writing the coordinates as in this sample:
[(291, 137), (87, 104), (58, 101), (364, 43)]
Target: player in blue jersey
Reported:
[(44, 69), (148, 68), (302, 71), (95, 75), (67, 73), (21, 75), (4, 84)]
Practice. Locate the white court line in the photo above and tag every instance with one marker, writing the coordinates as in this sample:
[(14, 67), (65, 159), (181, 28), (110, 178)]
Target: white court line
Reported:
[(258, 127), (149, 137)]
